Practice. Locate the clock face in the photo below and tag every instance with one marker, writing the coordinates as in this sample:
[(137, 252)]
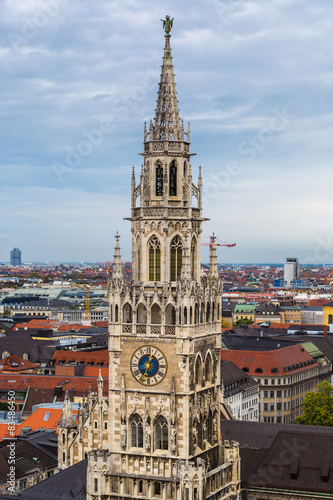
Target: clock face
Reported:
[(148, 365)]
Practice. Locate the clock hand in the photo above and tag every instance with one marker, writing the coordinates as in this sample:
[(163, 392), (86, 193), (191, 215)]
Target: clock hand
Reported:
[(147, 368)]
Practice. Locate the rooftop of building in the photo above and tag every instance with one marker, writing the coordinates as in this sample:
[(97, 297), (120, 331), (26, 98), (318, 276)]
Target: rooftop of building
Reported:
[(234, 379), (14, 363), (28, 459), (280, 362), (96, 357), (249, 308), (68, 484)]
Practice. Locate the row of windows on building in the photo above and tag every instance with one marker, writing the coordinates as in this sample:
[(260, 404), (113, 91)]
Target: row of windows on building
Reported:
[(290, 392), (253, 416), (277, 394), (278, 420), (201, 313), (249, 404), (277, 406), (289, 380)]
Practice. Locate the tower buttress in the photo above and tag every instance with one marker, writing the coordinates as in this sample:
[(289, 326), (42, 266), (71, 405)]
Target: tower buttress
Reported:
[(213, 273), (66, 430)]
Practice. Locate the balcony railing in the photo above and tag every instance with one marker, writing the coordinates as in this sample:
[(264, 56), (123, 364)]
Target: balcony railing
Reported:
[(143, 329)]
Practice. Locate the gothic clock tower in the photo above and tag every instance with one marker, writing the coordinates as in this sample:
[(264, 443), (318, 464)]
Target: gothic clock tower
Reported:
[(165, 334)]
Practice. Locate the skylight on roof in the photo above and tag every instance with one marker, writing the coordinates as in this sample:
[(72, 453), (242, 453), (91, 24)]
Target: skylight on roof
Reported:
[(47, 416)]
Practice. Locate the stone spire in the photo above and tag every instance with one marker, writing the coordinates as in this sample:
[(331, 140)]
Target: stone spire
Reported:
[(213, 273), (185, 273), (100, 386), (117, 272), (67, 419), (167, 124)]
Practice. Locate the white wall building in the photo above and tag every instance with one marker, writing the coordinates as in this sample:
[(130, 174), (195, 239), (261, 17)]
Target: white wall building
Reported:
[(241, 392)]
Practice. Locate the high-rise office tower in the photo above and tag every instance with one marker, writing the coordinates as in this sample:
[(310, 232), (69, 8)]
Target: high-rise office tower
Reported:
[(15, 257), (291, 271)]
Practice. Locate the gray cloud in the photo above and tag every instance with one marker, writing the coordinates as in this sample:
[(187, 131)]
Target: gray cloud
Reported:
[(69, 69)]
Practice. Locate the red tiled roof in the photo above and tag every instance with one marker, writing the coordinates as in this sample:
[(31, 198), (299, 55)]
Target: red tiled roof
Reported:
[(53, 324), (319, 302), (67, 327), (281, 325), (268, 360), (100, 323), (37, 324), (89, 358), (15, 364), (4, 433), (93, 371), (21, 382), (39, 419)]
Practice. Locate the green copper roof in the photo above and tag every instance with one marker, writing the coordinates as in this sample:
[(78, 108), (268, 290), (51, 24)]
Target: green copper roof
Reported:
[(245, 308), (315, 353), (311, 349)]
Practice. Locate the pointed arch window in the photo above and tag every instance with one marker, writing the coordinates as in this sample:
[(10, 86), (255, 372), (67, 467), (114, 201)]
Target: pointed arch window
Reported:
[(154, 259), (136, 431), (161, 434), (170, 315), (127, 313), (198, 371), (173, 179), (208, 369), (159, 179), (138, 266), (176, 258), (193, 248)]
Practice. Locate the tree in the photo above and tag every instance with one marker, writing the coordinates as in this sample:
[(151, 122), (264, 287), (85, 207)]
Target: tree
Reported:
[(243, 321), (318, 406)]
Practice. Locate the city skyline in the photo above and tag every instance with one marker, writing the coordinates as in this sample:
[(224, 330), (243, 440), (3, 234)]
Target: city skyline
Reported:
[(79, 84)]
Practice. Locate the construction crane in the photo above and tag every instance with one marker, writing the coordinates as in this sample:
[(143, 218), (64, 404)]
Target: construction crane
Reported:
[(87, 289), (88, 315), (221, 244)]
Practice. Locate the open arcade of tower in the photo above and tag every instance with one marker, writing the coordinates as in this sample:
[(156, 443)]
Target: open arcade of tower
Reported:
[(157, 435)]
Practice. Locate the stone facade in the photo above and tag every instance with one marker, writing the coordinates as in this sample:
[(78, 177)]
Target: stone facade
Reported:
[(158, 433)]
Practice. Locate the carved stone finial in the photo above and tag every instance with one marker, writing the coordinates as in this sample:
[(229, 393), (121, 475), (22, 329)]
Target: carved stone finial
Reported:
[(67, 419)]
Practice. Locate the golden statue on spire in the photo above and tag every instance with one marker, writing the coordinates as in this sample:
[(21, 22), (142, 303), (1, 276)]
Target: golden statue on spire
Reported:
[(167, 24)]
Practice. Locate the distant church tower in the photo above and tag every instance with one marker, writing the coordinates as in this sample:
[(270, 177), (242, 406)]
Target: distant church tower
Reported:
[(165, 335)]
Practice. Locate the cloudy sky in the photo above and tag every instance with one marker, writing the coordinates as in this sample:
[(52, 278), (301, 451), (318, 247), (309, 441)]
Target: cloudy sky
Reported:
[(254, 78)]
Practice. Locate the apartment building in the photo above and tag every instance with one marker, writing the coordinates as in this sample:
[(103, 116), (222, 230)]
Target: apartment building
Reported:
[(244, 311), (285, 375), (291, 314), (241, 392)]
